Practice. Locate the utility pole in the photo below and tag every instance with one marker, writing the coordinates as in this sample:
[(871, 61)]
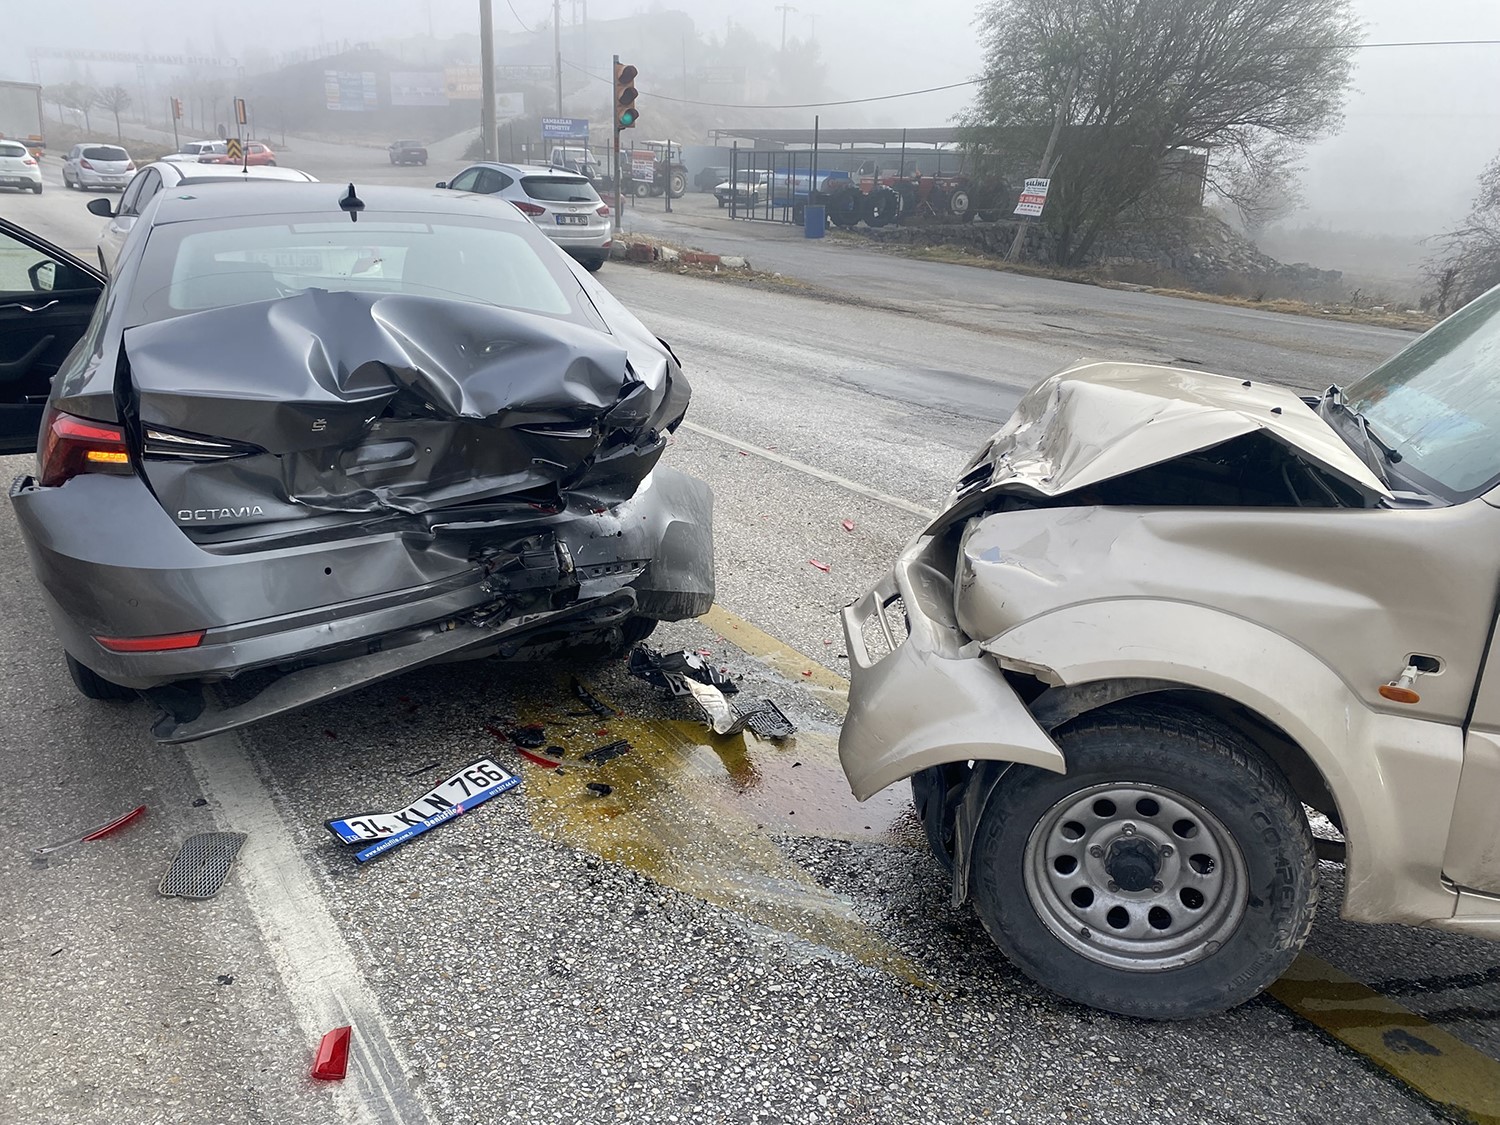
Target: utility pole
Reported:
[(784, 9), (1044, 169), (614, 113), (557, 50), (487, 81)]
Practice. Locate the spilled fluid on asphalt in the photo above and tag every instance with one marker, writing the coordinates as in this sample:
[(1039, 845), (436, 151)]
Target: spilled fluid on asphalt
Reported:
[(700, 813)]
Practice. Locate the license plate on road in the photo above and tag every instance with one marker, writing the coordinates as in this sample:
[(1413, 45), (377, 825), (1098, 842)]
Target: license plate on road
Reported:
[(471, 786), (573, 220)]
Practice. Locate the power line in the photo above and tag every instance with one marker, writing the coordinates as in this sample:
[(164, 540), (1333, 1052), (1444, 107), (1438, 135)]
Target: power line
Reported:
[(519, 20), (798, 105), (978, 81)]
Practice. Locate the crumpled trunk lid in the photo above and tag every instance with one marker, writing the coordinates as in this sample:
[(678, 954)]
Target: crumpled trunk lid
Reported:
[(1103, 421), (378, 404)]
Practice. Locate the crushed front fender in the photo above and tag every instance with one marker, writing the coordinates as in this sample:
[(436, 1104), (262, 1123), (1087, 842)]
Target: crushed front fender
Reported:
[(935, 697)]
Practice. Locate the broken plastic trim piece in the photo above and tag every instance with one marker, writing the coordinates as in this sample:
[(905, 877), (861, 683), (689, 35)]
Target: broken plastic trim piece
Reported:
[(202, 865), (332, 1060), (767, 721), (669, 670), (94, 833)]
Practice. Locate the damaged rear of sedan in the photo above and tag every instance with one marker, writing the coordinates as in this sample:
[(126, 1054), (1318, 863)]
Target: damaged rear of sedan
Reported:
[(1165, 613), (333, 435)]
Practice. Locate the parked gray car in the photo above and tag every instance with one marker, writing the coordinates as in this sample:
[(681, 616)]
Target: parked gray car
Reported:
[(89, 166), (332, 450)]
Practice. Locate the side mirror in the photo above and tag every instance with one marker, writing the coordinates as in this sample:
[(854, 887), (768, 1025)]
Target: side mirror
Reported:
[(101, 208), (441, 184), (43, 276)]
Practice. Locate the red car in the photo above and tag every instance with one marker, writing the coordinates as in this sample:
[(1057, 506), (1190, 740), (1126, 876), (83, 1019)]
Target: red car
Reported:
[(255, 153)]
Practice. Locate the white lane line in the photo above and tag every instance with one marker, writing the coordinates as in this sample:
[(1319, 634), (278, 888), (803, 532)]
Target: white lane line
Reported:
[(316, 965), (813, 471)]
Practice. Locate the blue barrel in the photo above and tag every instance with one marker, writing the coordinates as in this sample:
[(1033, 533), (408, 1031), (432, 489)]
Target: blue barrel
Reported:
[(814, 220)]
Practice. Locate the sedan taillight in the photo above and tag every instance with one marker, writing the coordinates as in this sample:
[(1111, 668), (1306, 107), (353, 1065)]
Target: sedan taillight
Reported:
[(529, 208), (130, 167), (85, 164), (71, 446), (29, 161), (604, 210)]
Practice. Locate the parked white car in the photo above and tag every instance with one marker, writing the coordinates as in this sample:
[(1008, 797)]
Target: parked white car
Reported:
[(18, 168), (163, 175), (192, 152), (563, 204), (92, 165)]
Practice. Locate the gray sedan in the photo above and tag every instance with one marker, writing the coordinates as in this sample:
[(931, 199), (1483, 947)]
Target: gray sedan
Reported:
[(326, 435)]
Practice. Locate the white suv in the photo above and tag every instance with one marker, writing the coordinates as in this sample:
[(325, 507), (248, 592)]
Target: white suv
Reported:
[(563, 204)]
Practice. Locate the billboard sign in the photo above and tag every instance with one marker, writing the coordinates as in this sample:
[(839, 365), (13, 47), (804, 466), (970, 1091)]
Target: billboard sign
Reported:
[(1033, 198), (509, 105), (418, 87), (350, 90), (523, 73), (642, 165), (565, 128), (462, 83)]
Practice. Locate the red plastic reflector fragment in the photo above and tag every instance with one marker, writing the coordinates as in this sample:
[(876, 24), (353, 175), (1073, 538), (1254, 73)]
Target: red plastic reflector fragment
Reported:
[(332, 1062), (537, 759), (164, 643), (116, 824)]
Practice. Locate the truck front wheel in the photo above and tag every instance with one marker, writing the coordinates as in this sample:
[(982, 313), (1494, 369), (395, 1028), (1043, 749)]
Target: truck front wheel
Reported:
[(1168, 874)]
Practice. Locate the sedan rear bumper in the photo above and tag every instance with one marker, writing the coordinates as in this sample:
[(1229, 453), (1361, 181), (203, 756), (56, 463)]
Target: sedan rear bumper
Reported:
[(112, 563)]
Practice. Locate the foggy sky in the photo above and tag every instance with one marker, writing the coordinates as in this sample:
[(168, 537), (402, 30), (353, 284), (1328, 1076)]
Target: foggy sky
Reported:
[(1421, 122)]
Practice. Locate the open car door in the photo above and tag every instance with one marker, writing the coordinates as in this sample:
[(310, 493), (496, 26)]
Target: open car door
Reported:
[(46, 299)]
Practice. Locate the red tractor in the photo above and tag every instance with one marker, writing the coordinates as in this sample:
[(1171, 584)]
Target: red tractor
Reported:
[(881, 199)]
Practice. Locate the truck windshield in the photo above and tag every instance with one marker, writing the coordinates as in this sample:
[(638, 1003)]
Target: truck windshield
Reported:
[(1435, 403)]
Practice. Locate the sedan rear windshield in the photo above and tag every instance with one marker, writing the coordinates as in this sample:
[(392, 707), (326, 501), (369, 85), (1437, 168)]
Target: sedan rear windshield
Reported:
[(559, 189), (192, 266), (7, 148), (105, 152)]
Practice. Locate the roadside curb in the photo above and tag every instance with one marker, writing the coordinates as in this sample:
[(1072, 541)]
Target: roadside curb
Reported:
[(636, 249)]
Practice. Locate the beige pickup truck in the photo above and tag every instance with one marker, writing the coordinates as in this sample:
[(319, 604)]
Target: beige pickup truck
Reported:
[(1165, 619)]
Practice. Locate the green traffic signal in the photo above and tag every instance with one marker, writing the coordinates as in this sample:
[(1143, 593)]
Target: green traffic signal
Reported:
[(626, 115)]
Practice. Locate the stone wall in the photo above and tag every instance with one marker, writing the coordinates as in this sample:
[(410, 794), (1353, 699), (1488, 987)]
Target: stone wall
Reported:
[(1198, 252)]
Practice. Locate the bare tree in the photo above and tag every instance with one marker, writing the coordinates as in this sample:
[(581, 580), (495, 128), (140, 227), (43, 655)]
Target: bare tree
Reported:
[(80, 97), (115, 99), (1263, 188), (1244, 79), (1469, 262)]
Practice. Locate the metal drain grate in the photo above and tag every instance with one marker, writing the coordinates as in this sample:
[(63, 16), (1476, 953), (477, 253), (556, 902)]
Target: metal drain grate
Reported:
[(202, 865)]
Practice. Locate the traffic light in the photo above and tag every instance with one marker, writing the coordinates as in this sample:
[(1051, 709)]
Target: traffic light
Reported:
[(177, 109), (626, 115)]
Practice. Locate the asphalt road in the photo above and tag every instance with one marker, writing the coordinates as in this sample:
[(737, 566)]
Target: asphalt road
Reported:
[(727, 937)]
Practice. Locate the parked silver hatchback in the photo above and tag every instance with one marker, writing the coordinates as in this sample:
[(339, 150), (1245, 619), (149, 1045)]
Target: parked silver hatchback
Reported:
[(90, 166), (563, 204)]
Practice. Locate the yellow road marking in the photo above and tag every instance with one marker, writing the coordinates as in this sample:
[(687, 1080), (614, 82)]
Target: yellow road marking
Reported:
[(830, 688), (695, 812), (1439, 1066), (1429, 1060)]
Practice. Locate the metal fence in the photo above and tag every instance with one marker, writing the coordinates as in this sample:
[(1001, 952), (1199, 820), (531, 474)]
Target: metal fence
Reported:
[(774, 185)]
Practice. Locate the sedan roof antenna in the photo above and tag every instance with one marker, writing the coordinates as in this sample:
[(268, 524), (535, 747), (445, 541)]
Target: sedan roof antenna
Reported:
[(352, 204)]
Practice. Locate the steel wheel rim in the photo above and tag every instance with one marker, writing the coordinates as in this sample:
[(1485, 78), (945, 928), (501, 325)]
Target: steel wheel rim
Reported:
[(1084, 867)]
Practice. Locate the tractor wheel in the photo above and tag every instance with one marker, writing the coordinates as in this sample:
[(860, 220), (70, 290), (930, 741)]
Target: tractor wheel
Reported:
[(845, 207), (958, 204), (642, 190), (882, 206), (677, 185)]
